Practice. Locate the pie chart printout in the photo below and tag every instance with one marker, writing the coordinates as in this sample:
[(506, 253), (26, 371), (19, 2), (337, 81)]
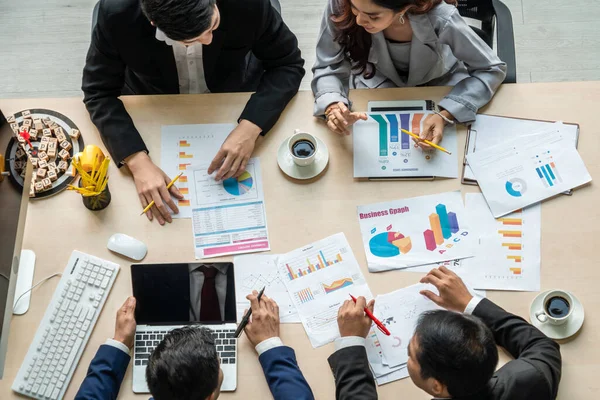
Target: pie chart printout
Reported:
[(240, 185)]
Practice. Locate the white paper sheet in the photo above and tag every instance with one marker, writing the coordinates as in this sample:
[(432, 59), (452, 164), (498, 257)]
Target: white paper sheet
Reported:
[(416, 231), (508, 254), (253, 272), (228, 217), (382, 372), (184, 145), (488, 131), (381, 149), (319, 278), (525, 171)]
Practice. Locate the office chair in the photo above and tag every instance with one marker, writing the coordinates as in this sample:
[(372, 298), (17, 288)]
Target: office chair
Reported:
[(490, 12)]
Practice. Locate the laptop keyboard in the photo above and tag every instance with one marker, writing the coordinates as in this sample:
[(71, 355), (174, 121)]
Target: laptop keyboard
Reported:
[(225, 341)]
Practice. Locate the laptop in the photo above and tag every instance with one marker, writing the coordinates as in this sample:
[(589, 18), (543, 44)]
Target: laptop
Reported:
[(169, 297)]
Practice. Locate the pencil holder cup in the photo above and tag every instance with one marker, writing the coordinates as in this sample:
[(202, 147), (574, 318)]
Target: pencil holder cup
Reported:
[(98, 202)]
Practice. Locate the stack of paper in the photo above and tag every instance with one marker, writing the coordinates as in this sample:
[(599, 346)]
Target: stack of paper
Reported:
[(527, 170)]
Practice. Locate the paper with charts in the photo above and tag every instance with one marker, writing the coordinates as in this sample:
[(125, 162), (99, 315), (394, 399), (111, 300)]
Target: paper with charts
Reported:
[(228, 217), (184, 145), (253, 272), (381, 149), (508, 254), (416, 231), (319, 278), (527, 170), (382, 371)]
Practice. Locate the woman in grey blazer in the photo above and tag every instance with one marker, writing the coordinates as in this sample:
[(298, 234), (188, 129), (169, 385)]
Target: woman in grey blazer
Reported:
[(399, 43)]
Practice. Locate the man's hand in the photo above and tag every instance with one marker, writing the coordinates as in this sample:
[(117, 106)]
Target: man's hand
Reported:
[(151, 184), (235, 151), (352, 320), (264, 323), (125, 325), (340, 118), (433, 129), (454, 295)]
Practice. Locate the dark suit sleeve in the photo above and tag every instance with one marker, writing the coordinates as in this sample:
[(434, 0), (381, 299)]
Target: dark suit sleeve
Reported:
[(353, 377), (103, 80), (537, 363), (105, 374), (283, 374), (277, 47)]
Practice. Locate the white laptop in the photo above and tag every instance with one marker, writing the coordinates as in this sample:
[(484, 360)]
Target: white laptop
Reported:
[(169, 297)]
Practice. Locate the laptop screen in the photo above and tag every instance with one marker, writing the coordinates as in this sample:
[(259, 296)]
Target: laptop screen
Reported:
[(176, 294)]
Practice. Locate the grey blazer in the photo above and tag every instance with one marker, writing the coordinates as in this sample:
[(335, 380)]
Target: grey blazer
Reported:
[(444, 52)]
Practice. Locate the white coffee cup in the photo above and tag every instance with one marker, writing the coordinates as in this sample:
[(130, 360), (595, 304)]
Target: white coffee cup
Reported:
[(545, 317), (297, 136)]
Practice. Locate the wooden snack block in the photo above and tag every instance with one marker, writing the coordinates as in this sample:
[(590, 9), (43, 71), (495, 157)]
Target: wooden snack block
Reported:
[(58, 130), (38, 124), (66, 145), (61, 137), (63, 166), (43, 146), (64, 154), (54, 125), (15, 127), (52, 166), (52, 144), (19, 153), (27, 122), (38, 186), (21, 139), (32, 190), (41, 173), (52, 175), (34, 161), (33, 134), (46, 132), (51, 153), (10, 119), (43, 156), (75, 133), (45, 139), (47, 183), (42, 163), (26, 114), (19, 165)]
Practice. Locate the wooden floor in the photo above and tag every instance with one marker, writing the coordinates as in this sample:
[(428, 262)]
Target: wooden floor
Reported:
[(43, 42)]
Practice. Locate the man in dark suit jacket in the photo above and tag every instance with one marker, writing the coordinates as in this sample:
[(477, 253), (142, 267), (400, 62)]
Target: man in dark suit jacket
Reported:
[(188, 46), (185, 365), (453, 353)]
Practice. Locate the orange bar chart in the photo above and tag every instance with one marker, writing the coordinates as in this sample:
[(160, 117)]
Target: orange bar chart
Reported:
[(183, 154), (183, 179), (511, 221), (513, 246), (515, 258), (436, 227), (516, 271), (184, 190), (184, 143), (183, 203), (183, 167), (510, 233)]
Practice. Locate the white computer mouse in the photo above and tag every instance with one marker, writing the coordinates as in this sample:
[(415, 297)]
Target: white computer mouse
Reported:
[(127, 246)]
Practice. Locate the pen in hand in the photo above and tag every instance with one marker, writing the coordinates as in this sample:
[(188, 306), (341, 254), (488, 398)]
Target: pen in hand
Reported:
[(246, 318), (377, 322)]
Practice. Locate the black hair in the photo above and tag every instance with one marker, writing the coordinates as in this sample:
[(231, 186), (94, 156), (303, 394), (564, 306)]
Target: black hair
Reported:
[(180, 19), (184, 366), (456, 349)]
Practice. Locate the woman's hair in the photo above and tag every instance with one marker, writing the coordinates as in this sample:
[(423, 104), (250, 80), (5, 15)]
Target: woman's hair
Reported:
[(356, 41)]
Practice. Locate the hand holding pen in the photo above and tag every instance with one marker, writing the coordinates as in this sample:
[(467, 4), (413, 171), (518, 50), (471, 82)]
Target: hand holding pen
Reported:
[(353, 319), (265, 319)]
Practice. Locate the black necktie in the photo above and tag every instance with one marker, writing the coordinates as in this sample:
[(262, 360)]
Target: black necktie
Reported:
[(209, 300)]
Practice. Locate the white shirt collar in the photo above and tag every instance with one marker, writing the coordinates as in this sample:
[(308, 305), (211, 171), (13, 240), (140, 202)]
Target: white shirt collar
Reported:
[(160, 35)]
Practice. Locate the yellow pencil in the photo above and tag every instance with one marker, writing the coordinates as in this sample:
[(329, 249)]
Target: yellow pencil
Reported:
[(435, 146), (168, 187)]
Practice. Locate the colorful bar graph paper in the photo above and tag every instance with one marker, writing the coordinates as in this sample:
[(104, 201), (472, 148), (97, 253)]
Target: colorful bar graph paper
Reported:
[(511, 233), (383, 135), (305, 295), (434, 221), (430, 242), (312, 266), (453, 219), (444, 221), (393, 127), (404, 123)]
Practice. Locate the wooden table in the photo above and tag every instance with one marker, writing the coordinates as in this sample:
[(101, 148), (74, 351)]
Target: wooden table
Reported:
[(58, 225)]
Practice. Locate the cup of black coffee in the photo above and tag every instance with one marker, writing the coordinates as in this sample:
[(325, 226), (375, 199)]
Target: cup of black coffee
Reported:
[(302, 147), (557, 307)]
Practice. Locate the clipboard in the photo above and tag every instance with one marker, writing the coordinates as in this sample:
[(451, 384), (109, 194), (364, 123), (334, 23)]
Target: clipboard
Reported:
[(472, 135)]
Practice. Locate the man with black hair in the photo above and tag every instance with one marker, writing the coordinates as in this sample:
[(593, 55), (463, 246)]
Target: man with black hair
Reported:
[(188, 46), (453, 353), (185, 365)]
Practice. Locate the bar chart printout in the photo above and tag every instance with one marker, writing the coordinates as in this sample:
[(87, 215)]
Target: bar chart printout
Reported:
[(320, 277), (508, 255)]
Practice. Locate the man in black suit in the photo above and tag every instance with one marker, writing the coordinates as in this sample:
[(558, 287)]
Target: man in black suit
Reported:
[(453, 353), (188, 46)]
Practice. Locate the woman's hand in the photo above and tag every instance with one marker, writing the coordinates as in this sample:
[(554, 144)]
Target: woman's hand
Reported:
[(433, 129), (339, 118)]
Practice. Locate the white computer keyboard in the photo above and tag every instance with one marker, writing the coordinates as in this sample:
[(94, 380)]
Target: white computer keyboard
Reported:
[(66, 327)]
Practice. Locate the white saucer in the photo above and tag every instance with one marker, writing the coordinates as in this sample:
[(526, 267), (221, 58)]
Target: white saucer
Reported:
[(289, 167), (564, 331)]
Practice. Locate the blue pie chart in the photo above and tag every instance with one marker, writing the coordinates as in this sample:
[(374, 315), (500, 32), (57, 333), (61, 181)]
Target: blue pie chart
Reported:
[(516, 187), (240, 185), (381, 247)]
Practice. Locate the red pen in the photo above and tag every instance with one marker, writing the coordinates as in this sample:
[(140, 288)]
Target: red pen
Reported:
[(381, 327)]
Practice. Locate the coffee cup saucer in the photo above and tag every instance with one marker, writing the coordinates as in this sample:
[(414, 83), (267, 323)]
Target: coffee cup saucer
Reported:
[(557, 332), (291, 169)]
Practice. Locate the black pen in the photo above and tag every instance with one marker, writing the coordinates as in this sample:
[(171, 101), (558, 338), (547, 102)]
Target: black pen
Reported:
[(246, 318)]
